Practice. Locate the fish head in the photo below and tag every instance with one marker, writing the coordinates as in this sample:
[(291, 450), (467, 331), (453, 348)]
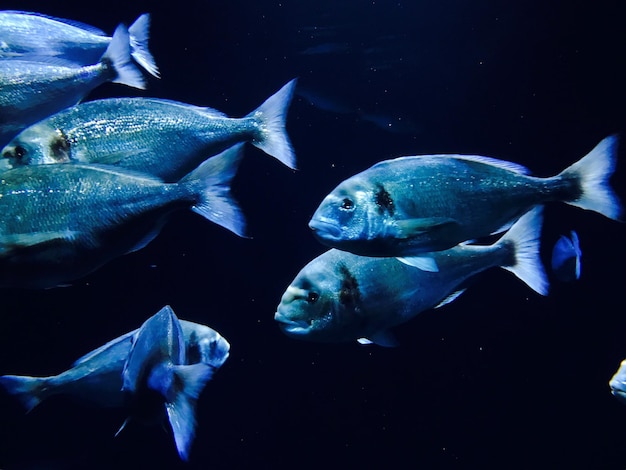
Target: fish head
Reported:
[(321, 303), (204, 345), (618, 383), (355, 214), (41, 143)]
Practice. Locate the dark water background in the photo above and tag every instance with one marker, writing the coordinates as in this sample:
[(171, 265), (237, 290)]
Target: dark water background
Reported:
[(501, 378)]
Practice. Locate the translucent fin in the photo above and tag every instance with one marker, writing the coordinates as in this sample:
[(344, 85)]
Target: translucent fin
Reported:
[(139, 34), (118, 53), (28, 390), (271, 115), (425, 263)]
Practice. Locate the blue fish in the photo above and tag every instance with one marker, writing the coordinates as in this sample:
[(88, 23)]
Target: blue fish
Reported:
[(566, 256), (164, 138), (32, 89), (61, 222), (97, 376), (410, 206), (340, 296), (23, 36)]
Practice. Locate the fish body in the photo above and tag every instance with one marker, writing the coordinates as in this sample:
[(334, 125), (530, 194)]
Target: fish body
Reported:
[(60, 222), (164, 138), (413, 205), (31, 90), (97, 376), (29, 34), (340, 296)]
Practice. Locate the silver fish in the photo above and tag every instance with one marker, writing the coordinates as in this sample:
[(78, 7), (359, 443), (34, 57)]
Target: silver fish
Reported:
[(60, 222), (164, 138), (98, 377), (413, 205), (31, 90), (340, 296), (29, 34)]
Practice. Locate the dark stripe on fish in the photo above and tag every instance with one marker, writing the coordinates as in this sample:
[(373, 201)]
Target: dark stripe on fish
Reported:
[(60, 147), (383, 201), (349, 293)]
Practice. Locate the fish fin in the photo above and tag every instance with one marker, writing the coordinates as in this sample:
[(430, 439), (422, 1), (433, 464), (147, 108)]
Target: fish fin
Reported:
[(139, 35), (451, 298), (126, 421), (410, 227), (566, 256), (593, 172), (503, 164), (28, 390), (383, 338), (525, 237), (181, 412), (425, 262), (271, 116), (217, 203), (95, 352), (26, 240), (118, 53)]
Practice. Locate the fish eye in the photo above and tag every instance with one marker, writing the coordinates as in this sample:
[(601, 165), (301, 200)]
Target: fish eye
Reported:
[(347, 204), (312, 297), (19, 152)]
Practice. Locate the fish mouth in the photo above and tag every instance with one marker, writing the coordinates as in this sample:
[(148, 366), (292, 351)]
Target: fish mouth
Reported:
[(325, 228), (289, 326)]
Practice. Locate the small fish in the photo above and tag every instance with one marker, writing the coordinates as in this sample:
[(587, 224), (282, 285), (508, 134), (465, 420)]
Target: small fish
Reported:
[(31, 90), (566, 256), (29, 34), (413, 205), (164, 138), (97, 376), (340, 296), (110, 376), (61, 222), (618, 383)]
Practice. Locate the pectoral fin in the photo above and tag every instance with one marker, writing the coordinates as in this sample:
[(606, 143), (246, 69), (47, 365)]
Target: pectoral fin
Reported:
[(382, 338), (18, 241), (411, 227), (425, 263)]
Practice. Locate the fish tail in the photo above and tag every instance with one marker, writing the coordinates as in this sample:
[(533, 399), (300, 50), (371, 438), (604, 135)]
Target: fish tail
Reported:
[(593, 172), (118, 54), (525, 235), (28, 390), (182, 411), (216, 202), (139, 35), (271, 115)]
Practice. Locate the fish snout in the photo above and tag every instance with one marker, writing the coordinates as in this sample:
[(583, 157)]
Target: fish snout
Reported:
[(324, 227)]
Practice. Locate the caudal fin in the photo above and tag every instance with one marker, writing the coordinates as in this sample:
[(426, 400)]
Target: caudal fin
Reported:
[(271, 116), (28, 390), (139, 35), (182, 411), (525, 236), (118, 54), (594, 171), (216, 202)]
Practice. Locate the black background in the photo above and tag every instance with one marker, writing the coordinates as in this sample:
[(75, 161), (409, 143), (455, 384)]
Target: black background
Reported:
[(501, 378)]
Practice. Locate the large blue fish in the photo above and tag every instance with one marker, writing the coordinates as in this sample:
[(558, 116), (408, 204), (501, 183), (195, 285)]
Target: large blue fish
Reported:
[(157, 364), (413, 205), (31, 90), (164, 138), (97, 377), (340, 296), (29, 34), (61, 222)]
